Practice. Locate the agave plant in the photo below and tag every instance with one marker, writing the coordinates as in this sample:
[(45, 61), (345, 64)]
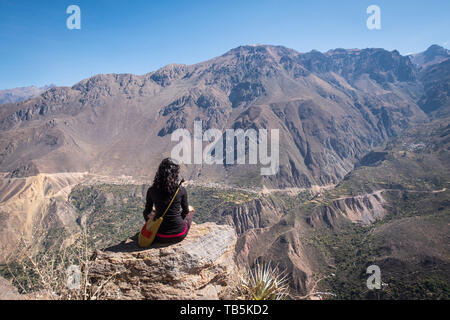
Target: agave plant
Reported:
[(264, 282)]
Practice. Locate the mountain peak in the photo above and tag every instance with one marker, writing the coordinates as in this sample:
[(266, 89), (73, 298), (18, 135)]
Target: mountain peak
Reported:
[(433, 55), (264, 49), (436, 48), (436, 51)]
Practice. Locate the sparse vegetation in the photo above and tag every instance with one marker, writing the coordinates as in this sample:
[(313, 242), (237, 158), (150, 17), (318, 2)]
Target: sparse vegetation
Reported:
[(112, 212), (409, 243), (58, 273), (207, 201)]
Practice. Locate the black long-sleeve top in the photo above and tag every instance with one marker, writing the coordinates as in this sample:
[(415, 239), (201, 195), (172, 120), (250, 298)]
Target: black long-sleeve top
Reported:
[(173, 222)]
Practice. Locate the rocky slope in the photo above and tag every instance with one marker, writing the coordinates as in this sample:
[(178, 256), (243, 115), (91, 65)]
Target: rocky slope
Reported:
[(436, 98), (32, 207), (364, 209), (121, 124), (258, 213), (392, 212), (38, 209), (199, 267)]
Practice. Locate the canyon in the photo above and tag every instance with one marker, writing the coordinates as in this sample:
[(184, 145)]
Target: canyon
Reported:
[(363, 163)]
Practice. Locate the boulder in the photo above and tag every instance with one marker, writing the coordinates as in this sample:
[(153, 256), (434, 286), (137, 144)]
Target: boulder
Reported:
[(199, 267)]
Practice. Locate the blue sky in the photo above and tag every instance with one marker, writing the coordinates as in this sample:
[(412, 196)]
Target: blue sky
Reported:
[(36, 48)]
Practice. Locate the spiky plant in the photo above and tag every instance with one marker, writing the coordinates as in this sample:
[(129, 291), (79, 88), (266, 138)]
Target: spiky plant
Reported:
[(264, 282)]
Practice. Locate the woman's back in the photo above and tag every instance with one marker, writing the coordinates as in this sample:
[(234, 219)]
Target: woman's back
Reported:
[(178, 219), (173, 222)]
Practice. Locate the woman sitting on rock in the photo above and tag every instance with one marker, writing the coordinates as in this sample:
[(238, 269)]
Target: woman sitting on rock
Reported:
[(178, 218)]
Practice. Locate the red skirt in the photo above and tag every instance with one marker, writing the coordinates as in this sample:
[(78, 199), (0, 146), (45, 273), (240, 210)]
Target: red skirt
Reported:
[(174, 238)]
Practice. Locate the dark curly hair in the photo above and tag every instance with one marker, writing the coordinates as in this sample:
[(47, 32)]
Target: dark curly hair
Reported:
[(166, 178)]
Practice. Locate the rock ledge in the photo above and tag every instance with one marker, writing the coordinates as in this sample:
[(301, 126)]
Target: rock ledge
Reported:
[(199, 267)]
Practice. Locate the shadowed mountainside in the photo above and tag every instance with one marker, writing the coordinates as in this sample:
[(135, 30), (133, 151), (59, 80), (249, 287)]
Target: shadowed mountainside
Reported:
[(433, 55), (121, 123)]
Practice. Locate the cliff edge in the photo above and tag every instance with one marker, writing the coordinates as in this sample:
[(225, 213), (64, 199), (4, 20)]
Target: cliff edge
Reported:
[(200, 267)]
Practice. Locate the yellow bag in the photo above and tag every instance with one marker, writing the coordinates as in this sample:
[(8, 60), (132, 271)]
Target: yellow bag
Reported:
[(150, 228)]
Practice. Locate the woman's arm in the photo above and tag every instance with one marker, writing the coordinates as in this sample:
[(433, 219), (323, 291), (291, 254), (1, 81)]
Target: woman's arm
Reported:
[(184, 203), (148, 205)]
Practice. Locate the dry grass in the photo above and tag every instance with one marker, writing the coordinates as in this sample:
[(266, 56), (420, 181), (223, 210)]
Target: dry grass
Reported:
[(58, 273)]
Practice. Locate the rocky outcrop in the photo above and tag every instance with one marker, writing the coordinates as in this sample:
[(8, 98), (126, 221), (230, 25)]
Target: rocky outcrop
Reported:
[(258, 213), (363, 209), (24, 170), (199, 267)]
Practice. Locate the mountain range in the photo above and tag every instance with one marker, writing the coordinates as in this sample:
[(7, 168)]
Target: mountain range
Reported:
[(331, 108), (363, 161)]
